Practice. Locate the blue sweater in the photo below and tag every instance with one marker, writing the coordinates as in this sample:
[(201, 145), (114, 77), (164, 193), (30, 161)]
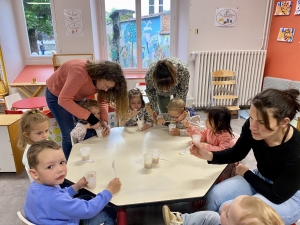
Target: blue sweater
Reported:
[(53, 205)]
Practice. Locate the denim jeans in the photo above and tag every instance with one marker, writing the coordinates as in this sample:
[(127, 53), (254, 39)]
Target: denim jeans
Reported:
[(226, 191), (201, 218), (107, 216)]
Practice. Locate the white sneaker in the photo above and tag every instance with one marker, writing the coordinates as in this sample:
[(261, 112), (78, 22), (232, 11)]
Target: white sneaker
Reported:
[(171, 218)]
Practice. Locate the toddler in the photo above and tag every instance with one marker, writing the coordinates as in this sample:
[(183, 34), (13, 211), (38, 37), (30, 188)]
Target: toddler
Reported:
[(80, 130), (47, 203), (137, 110), (178, 113)]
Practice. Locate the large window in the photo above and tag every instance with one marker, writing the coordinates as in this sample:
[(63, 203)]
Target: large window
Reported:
[(137, 32), (39, 27)]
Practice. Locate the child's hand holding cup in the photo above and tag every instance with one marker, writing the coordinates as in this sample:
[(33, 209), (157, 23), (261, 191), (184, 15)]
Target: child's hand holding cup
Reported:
[(140, 124), (161, 121)]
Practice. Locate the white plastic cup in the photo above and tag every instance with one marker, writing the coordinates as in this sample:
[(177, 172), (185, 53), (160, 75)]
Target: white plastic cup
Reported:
[(171, 127), (90, 177), (148, 160), (155, 155), (140, 124), (99, 132), (196, 138), (85, 153)]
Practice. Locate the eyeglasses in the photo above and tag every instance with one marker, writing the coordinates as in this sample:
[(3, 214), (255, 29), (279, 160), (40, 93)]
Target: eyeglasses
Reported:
[(176, 117)]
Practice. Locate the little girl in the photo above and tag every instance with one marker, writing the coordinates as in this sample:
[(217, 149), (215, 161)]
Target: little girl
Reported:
[(218, 133), (177, 112), (34, 127), (137, 110), (80, 130)]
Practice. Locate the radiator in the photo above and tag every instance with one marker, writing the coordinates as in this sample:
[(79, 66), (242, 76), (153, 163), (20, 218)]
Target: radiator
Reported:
[(248, 65)]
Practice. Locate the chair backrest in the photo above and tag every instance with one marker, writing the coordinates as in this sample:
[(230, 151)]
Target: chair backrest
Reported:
[(7, 111), (74, 140), (59, 59), (23, 219), (10, 99)]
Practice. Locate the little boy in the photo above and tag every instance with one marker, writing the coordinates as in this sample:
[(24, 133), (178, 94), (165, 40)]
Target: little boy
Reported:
[(46, 203), (177, 112), (246, 210)]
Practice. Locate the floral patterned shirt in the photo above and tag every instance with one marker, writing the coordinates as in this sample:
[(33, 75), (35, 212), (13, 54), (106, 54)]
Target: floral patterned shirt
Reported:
[(179, 90), (143, 114)]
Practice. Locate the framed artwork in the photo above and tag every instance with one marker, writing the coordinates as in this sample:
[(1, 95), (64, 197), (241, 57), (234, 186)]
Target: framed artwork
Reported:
[(297, 9), (3, 78), (283, 8), (286, 34)]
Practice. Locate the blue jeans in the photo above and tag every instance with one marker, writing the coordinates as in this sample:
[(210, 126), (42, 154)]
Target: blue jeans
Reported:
[(201, 218), (226, 191), (107, 216)]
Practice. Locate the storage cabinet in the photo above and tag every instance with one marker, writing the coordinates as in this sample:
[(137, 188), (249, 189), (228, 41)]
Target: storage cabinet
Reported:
[(11, 155)]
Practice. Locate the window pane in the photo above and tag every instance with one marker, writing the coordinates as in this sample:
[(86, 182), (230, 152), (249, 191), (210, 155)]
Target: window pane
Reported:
[(121, 32), (155, 33), (39, 27)]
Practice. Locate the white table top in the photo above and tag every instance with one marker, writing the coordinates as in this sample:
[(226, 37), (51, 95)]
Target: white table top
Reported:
[(186, 177)]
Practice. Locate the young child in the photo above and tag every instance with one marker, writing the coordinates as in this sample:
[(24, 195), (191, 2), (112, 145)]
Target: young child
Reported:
[(178, 113), (47, 203), (246, 210), (218, 133), (34, 126), (80, 130), (137, 110)]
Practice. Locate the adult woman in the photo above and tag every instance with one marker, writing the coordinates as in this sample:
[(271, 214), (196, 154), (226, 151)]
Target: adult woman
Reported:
[(276, 146), (78, 79), (165, 78)]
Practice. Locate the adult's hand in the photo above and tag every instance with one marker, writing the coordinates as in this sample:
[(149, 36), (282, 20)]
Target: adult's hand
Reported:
[(198, 150), (241, 169), (96, 126), (106, 128)]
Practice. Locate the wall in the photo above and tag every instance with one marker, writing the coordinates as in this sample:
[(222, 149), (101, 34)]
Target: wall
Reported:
[(282, 57)]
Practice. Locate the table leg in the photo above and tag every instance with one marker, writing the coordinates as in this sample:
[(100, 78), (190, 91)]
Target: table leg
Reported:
[(121, 218)]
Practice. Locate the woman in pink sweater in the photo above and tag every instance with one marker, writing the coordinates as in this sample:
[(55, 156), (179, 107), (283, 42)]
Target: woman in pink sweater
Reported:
[(77, 79)]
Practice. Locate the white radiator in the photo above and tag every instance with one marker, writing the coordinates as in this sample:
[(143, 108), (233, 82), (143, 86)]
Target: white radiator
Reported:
[(248, 65)]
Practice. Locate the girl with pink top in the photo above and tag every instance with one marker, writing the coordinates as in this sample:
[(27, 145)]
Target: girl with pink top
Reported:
[(218, 133)]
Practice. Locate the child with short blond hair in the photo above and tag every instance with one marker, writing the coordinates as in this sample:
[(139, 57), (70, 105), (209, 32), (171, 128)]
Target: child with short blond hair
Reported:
[(177, 112), (47, 203)]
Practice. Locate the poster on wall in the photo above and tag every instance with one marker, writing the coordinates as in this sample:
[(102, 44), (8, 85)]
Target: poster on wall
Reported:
[(283, 8), (286, 34), (297, 10), (73, 22), (226, 17)]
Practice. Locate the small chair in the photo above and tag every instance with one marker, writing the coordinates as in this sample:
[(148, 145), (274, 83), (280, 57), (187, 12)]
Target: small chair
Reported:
[(23, 219), (59, 59), (7, 111), (74, 140)]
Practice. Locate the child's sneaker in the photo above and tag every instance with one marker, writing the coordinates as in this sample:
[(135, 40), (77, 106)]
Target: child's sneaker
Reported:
[(171, 218)]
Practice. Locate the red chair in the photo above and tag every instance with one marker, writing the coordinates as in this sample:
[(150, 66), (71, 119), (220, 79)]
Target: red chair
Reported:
[(8, 111)]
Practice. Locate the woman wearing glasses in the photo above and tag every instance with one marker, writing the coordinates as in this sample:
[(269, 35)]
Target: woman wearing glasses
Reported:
[(165, 78), (77, 79)]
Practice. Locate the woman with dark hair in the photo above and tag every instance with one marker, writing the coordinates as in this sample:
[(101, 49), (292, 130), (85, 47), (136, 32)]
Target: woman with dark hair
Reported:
[(276, 147), (77, 79), (165, 78)]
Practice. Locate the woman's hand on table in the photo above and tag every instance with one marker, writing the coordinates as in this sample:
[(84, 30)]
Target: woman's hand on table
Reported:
[(106, 128), (80, 184), (114, 185), (198, 150), (241, 169)]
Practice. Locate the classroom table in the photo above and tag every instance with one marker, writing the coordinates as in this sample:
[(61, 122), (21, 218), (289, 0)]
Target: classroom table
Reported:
[(24, 81), (185, 178), (30, 103)]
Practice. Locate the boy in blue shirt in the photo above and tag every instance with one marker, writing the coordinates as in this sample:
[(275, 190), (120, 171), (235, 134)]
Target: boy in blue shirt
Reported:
[(46, 203)]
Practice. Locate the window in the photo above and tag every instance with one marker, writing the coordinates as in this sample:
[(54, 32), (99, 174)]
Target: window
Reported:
[(39, 27), (137, 33)]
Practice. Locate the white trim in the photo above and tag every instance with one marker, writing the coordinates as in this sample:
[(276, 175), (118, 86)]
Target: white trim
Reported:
[(173, 27), (102, 31), (138, 19)]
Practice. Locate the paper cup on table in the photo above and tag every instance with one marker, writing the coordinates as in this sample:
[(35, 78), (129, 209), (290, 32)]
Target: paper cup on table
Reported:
[(140, 124), (99, 132), (148, 160), (196, 138), (85, 153), (90, 177), (171, 127), (155, 155)]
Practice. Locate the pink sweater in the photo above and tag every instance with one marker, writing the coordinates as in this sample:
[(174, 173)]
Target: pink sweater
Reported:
[(216, 142), (72, 82)]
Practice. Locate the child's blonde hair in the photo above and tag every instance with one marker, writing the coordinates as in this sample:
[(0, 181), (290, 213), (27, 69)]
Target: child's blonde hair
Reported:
[(89, 103), (256, 211), (29, 119), (176, 104)]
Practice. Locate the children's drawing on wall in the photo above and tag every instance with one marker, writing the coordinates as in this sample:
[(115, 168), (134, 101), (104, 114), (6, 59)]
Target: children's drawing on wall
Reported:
[(297, 10), (283, 8), (227, 17), (73, 22), (286, 34)]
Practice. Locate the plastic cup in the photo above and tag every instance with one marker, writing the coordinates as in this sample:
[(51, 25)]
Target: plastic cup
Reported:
[(196, 137), (90, 177), (99, 132), (171, 127), (155, 155), (140, 124), (148, 160), (85, 153)]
